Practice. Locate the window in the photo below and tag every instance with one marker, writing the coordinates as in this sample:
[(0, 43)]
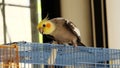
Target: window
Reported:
[(17, 21)]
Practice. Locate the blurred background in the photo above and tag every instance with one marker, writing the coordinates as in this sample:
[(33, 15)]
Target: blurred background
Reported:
[(98, 20)]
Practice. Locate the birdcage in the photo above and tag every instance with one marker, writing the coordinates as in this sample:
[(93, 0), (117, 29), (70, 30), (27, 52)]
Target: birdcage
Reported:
[(9, 56), (35, 55)]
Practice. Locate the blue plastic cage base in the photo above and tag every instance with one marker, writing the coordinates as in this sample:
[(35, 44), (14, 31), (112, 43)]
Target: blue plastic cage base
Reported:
[(35, 53), (39, 53)]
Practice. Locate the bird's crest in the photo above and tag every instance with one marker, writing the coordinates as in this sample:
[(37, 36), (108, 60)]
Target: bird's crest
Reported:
[(42, 21), (45, 19)]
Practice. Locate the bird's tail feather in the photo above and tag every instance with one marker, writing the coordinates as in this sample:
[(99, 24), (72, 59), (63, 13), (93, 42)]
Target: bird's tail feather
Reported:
[(81, 44)]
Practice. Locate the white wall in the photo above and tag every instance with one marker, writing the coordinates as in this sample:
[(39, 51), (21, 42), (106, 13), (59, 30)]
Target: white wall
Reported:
[(113, 20), (78, 11)]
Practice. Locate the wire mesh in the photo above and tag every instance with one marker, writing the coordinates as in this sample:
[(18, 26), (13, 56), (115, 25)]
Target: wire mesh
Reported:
[(35, 55)]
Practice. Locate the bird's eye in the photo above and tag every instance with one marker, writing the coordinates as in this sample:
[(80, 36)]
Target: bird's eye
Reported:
[(43, 25)]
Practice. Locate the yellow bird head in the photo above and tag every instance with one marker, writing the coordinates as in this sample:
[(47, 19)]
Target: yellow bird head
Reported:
[(46, 26)]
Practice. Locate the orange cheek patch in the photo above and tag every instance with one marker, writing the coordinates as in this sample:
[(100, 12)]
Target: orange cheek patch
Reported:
[(48, 25)]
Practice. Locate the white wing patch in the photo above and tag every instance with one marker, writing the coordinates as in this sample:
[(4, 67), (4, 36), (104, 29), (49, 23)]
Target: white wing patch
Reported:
[(74, 27), (77, 31)]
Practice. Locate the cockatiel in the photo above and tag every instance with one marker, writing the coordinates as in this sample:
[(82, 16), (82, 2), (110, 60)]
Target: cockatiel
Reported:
[(63, 31)]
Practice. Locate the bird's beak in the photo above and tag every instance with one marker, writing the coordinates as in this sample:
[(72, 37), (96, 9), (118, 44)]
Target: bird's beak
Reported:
[(41, 30)]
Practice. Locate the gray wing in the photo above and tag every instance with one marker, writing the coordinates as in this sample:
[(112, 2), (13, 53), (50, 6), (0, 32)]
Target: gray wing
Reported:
[(70, 26)]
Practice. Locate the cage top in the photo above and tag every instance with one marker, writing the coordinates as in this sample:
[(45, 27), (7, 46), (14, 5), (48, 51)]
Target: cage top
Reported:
[(37, 53)]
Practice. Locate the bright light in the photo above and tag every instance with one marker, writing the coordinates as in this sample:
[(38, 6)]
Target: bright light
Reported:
[(18, 23)]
